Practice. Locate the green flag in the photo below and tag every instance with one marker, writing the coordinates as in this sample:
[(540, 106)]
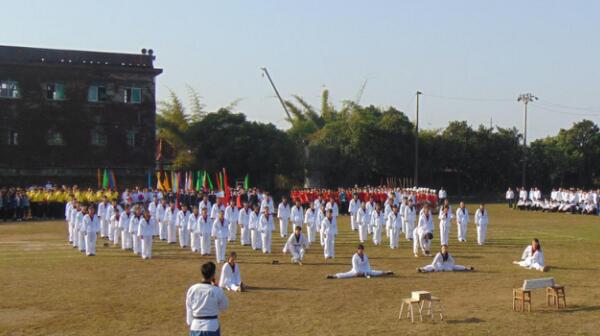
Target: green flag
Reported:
[(198, 182), (105, 179), (210, 184), (247, 182)]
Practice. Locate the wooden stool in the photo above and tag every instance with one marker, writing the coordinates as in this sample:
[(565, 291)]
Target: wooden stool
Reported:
[(554, 294), (432, 308), (523, 297), (409, 302)]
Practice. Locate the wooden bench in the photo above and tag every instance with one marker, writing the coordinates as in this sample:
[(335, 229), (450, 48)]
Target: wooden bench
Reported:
[(522, 296)]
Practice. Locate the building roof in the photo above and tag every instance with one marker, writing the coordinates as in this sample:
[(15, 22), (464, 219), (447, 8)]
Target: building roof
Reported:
[(40, 56)]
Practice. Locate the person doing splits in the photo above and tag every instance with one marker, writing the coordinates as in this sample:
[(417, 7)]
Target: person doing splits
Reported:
[(443, 262), (360, 267)]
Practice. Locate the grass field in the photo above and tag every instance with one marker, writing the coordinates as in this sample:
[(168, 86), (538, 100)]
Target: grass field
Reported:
[(48, 288)]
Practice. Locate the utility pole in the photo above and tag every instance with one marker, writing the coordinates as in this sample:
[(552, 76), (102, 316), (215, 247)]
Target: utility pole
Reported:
[(266, 72), (525, 98), (416, 178)]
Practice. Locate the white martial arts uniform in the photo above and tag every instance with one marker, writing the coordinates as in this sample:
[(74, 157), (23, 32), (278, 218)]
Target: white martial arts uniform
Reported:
[(481, 220), (134, 225), (377, 224), (254, 225), (360, 265), (283, 214), (266, 228), (231, 278), (203, 229), (152, 207), (441, 265), (409, 216), (296, 246), (297, 217), (220, 232), (318, 222), (394, 223), (335, 212), (243, 221), (160, 218), (232, 215), (91, 226), (328, 233), (170, 221), (424, 226), (145, 232), (310, 218), (182, 226), (370, 207), (533, 260), (216, 208), (103, 220), (353, 207), (462, 219), (363, 221), (204, 300), (115, 228), (126, 242), (445, 226), (80, 230), (68, 209), (205, 205), (194, 234)]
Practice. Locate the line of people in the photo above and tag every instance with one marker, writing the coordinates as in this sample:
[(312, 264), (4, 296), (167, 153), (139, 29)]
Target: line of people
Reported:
[(572, 200)]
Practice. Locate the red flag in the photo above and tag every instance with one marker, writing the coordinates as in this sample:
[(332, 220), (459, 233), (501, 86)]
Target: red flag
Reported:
[(226, 186)]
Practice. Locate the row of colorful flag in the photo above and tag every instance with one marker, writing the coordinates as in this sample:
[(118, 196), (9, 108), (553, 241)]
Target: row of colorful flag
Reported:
[(107, 179), (174, 181)]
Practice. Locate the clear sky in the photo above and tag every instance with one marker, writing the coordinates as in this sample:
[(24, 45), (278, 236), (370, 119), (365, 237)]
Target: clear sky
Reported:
[(470, 49)]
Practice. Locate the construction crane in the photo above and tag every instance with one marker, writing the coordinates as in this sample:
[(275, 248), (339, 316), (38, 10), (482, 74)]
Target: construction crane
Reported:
[(360, 92), (266, 72)]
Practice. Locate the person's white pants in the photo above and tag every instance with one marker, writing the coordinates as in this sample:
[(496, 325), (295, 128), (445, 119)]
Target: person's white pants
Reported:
[(162, 230), (90, 243), (529, 265), (126, 242), (81, 241), (362, 233), (75, 237), (220, 248), (103, 228), (387, 231), (137, 244), (431, 268), (146, 246), (369, 229), (116, 235), (410, 227), (195, 242), (420, 242), (232, 231), (462, 231), (283, 227), (376, 235), (353, 222), (156, 230), (205, 244), (481, 233), (244, 235), (171, 233), (70, 228), (311, 233), (394, 237), (352, 274), (297, 255), (184, 236), (256, 239), (444, 233), (321, 238), (329, 248), (266, 241)]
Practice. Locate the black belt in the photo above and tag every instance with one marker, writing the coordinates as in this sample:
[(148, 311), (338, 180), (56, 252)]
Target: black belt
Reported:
[(206, 317)]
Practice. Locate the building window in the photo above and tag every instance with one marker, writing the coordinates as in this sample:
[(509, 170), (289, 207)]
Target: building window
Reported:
[(132, 138), (9, 137), (55, 138), (9, 89), (98, 137), (97, 93), (133, 95), (55, 91)]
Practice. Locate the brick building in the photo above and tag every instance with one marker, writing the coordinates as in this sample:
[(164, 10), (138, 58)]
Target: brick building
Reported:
[(66, 113)]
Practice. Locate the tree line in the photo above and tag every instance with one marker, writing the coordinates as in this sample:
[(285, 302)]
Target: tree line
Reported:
[(356, 144)]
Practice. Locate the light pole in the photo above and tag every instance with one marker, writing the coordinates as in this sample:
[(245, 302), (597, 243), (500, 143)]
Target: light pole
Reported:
[(525, 98), (266, 72), (416, 177)]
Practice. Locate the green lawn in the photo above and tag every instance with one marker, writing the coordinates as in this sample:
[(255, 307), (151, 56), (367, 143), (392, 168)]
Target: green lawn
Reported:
[(48, 288)]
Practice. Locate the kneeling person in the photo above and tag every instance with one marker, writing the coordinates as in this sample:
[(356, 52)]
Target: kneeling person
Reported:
[(296, 245), (360, 267), (231, 278)]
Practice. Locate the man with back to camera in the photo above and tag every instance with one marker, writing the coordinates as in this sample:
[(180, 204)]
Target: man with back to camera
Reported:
[(204, 301)]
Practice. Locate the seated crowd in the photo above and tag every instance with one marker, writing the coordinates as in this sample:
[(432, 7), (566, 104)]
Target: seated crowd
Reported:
[(569, 200)]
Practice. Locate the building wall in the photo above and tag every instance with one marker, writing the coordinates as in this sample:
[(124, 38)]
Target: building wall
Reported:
[(32, 115)]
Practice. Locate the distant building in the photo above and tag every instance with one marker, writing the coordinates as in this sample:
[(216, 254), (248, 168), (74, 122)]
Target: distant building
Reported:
[(66, 113)]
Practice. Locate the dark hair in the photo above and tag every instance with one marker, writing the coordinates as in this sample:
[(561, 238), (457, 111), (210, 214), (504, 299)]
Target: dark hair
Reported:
[(360, 247), (298, 227), (429, 235), (208, 270), (537, 242)]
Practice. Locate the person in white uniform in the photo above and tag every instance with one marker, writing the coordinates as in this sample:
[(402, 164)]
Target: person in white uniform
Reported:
[(145, 233), (409, 218), (253, 224), (481, 221), (360, 267), (134, 225), (319, 221), (423, 233), (102, 218), (445, 218), (114, 225), (192, 227), (124, 219), (203, 302), (232, 214), (231, 278), (377, 224), (91, 227), (220, 232), (296, 245), (243, 221), (310, 220), (203, 228), (297, 214), (363, 220), (266, 228), (443, 262), (533, 257), (462, 219), (170, 220), (353, 208), (152, 207), (283, 214), (160, 218), (328, 233), (80, 229), (394, 223), (181, 223)]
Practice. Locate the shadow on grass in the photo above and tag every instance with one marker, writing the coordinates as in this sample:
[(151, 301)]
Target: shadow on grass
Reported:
[(470, 320), (552, 268), (271, 289), (575, 309)]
